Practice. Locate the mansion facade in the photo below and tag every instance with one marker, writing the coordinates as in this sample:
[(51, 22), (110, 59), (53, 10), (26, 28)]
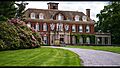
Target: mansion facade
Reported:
[(57, 26)]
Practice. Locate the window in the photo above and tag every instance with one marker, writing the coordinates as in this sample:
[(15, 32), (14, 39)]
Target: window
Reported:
[(77, 18), (73, 28), (32, 16), (84, 18), (37, 27), (66, 27), (41, 16), (87, 28), (45, 39), (52, 26), (88, 40), (61, 27), (59, 17), (80, 28), (44, 27), (29, 24)]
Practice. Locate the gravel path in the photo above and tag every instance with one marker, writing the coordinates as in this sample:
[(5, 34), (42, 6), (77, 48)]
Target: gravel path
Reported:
[(96, 57)]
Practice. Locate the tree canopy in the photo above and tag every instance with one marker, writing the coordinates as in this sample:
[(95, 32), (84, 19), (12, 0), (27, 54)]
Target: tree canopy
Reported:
[(109, 21), (8, 10)]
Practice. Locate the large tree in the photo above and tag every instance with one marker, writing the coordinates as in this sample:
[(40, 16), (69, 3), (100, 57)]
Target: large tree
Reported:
[(21, 9), (7, 10), (109, 21)]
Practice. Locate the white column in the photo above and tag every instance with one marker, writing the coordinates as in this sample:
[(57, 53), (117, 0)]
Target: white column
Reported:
[(109, 40), (103, 40)]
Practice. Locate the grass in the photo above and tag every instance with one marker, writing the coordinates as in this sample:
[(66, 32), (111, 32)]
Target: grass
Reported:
[(114, 49), (43, 56)]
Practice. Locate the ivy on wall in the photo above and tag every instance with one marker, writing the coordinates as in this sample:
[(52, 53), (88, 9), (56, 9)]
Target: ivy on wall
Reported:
[(84, 36)]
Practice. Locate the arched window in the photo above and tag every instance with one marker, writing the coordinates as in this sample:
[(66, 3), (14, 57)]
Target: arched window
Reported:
[(87, 28), (77, 18), (29, 24), (32, 15), (84, 18), (59, 17), (44, 27), (41, 16), (37, 27), (88, 40), (73, 28), (80, 28)]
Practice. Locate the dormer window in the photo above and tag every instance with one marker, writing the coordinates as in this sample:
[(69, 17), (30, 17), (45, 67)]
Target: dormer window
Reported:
[(77, 18), (32, 15), (41, 16), (84, 18), (59, 17), (73, 28)]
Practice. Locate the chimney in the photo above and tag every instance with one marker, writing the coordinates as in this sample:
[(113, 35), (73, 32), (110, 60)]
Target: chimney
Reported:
[(88, 12), (53, 6)]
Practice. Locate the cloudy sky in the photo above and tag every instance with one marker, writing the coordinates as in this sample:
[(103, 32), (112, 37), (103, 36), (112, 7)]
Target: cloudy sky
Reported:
[(80, 6)]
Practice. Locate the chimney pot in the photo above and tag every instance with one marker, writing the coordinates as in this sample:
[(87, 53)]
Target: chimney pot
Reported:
[(88, 12)]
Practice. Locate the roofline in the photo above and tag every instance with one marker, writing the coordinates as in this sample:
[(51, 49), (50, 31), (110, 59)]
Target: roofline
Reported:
[(52, 10)]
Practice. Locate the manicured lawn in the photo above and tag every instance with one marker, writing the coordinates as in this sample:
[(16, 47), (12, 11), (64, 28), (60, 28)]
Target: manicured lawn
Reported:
[(115, 49), (43, 56)]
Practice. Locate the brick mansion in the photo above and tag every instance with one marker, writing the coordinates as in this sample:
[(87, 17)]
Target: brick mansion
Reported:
[(71, 27)]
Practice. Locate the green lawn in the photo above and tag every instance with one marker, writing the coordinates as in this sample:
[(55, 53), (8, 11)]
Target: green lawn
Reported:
[(43, 56), (115, 49)]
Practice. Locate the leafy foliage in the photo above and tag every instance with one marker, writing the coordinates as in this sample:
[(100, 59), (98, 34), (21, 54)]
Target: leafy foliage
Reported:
[(109, 21), (20, 9), (16, 35), (7, 10)]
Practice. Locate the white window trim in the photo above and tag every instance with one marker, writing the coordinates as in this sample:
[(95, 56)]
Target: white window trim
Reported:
[(37, 27), (52, 26), (66, 27), (77, 18), (88, 27), (44, 27), (32, 15), (45, 39), (59, 17), (80, 28), (84, 18), (41, 16), (73, 27)]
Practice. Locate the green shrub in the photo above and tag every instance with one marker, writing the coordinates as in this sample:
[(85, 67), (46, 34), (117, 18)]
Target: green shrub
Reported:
[(17, 36)]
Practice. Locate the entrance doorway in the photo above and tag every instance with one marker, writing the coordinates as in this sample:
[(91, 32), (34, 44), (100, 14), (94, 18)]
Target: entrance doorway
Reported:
[(61, 40)]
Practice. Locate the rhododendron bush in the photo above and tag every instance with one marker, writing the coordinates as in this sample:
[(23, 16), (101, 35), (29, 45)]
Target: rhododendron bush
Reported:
[(14, 34)]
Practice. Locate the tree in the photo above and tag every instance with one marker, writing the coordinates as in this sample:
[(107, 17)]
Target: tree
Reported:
[(20, 9), (7, 10), (109, 21)]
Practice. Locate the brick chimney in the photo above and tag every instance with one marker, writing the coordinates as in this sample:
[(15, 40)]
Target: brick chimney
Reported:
[(88, 12), (53, 6)]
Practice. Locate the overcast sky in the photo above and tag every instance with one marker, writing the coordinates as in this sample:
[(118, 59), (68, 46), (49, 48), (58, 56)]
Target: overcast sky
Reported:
[(80, 6)]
